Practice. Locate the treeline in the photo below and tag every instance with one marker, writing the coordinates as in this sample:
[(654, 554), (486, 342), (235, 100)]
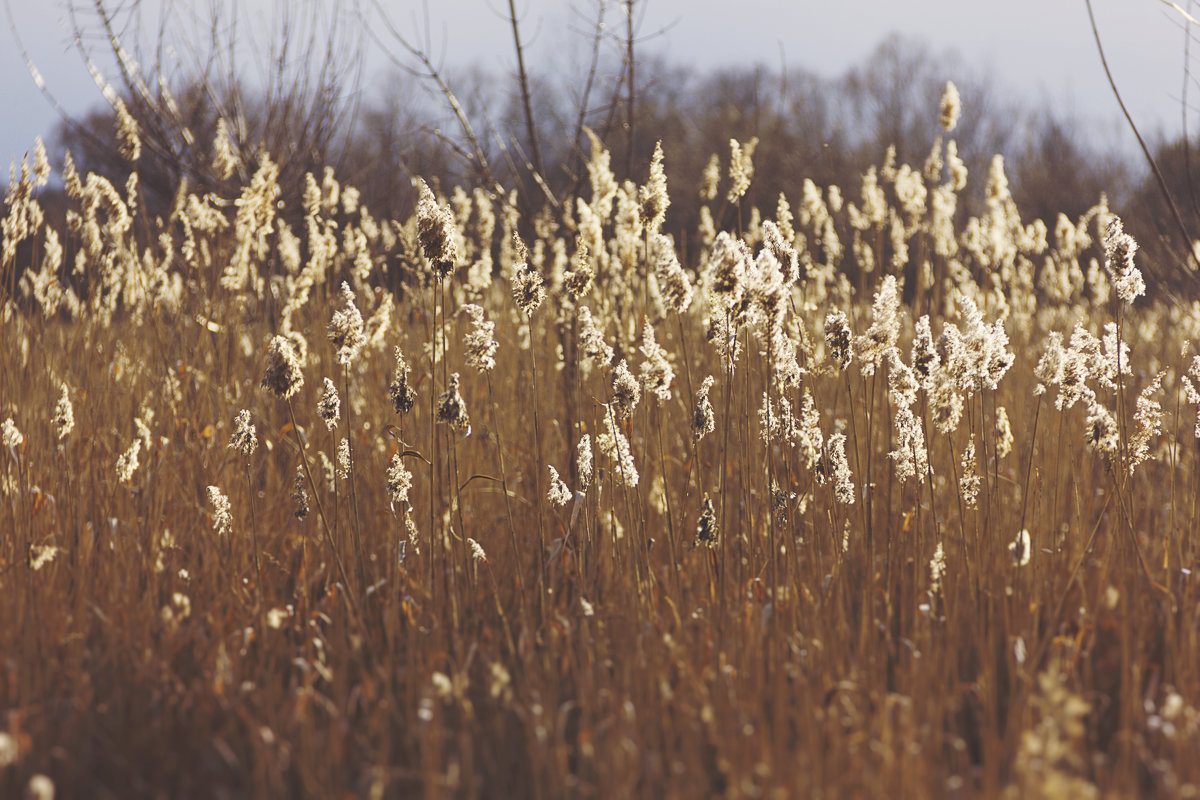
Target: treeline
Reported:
[(526, 131)]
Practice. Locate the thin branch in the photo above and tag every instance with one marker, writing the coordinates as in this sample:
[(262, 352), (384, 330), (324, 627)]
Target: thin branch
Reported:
[(1162, 184)]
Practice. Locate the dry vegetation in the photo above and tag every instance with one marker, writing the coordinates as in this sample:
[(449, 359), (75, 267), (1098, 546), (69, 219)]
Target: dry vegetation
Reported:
[(864, 498)]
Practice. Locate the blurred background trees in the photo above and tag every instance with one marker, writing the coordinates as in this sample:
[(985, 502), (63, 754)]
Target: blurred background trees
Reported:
[(300, 92)]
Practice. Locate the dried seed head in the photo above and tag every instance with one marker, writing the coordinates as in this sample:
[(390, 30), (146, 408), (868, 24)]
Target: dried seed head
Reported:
[(224, 161), (945, 403), (10, 436), (63, 420), (559, 493), (480, 341), (528, 286), (128, 462), (583, 459), (837, 339), (702, 417), (127, 133), (1019, 549), (951, 107), (657, 372), (399, 481), (477, 553), (781, 247), (222, 519), (299, 494), (1101, 432), (343, 459), (435, 231), (672, 280), (969, 482), (843, 486), (910, 456), (591, 338), (1119, 249), (741, 168), (615, 447), (728, 265), (873, 346), (283, 376), (329, 407), (625, 390), (937, 569), (346, 329), (711, 178), (402, 395), (924, 356), (708, 530), (40, 555), (653, 195), (451, 410), (578, 281), (1149, 423), (243, 438)]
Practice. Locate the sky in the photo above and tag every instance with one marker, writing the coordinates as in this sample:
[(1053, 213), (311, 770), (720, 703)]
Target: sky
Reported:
[(1040, 51)]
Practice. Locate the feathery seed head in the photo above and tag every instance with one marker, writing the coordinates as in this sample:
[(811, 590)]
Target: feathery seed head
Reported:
[(435, 231), (127, 132), (838, 339), (583, 459), (615, 447), (881, 337), (402, 395), (674, 283), (741, 168), (625, 390), (657, 372), (243, 438), (329, 405), (578, 281), (703, 422), (10, 436), (399, 481), (222, 518), (283, 376), (653, 195), (843, 486), (591, 338), (924, 357), (528, 286), (63, 420), (451, 409), (951, 107), (343, 459), (1019, 549), (128, 462), (299, 494), (558, 494), (708, 530), (479, 343), (1119, 249), (711, 178), (477, 554), (346, 329)]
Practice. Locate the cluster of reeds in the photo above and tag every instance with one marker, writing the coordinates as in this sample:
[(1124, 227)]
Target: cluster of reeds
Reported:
[(855, 495)]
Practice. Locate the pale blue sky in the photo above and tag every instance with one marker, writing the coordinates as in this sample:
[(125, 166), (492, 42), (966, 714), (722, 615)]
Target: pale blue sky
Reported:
[(1039, 50)]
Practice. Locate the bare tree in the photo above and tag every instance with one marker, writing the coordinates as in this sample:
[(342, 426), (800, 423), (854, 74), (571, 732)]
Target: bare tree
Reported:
[(177, 87)]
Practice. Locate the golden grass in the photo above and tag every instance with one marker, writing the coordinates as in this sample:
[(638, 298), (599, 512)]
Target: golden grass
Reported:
[(925, 579)]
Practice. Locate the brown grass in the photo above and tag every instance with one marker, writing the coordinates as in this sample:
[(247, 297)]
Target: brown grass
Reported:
[(592, 648)]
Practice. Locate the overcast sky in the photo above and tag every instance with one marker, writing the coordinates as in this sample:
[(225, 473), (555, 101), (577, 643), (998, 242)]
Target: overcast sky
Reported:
[(1039, 50)]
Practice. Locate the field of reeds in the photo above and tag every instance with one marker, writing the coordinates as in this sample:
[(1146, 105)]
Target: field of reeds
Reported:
[(853, 495)]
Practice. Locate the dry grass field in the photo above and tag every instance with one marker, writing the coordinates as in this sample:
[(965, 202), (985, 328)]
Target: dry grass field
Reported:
[(849, 496)]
